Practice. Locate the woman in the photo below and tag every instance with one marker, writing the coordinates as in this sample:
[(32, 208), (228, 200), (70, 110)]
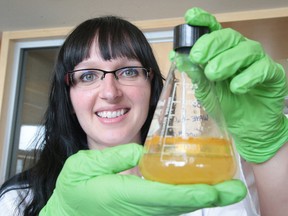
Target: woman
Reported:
[(104, 92), (64, 135)]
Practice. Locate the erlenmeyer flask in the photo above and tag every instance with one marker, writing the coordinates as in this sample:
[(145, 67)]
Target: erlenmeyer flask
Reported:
[(187, 141)]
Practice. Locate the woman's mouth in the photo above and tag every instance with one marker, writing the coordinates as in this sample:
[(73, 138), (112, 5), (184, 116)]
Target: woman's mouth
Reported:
[(111, 114)]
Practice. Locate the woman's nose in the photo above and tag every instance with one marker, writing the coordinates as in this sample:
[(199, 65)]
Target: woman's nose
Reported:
[(109, 88)]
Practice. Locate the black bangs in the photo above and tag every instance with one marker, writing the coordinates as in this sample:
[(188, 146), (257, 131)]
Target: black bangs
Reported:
[(77, 45), (114, 37)]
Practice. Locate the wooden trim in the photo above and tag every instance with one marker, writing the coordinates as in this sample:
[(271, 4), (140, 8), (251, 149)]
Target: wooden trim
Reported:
[(37, 33), (221, 17), (5, 45), (252, 15)]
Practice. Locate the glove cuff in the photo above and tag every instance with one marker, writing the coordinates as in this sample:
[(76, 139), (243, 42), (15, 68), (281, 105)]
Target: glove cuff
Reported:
[(256, 152)]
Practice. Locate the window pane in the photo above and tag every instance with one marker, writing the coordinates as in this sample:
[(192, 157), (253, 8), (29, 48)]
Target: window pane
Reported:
[(33, 91)]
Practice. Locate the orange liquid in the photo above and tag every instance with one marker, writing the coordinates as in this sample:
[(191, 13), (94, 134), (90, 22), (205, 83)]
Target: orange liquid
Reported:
[(188, 161)]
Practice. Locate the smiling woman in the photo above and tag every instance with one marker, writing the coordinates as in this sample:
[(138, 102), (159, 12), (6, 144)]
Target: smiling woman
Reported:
[(88, 141), (108, 97), (78, 118)]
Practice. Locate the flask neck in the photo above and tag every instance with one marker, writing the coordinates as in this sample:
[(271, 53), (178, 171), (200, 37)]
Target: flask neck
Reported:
[(183, 50), (182, 61)]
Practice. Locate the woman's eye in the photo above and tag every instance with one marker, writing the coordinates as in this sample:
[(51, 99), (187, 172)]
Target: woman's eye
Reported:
[(89, 76), (129, 72)]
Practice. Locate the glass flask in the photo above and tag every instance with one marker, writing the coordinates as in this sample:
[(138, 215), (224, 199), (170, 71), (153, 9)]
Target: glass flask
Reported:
[(187, 141)]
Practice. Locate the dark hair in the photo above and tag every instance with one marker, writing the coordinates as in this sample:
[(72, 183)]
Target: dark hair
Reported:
[(63, 134)]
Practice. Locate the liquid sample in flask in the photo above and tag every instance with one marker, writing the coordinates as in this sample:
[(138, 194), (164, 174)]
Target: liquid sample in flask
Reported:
[(187, 141), (187, 161)]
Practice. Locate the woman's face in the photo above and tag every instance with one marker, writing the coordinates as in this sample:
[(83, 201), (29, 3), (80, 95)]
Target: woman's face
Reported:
[(110, 114)]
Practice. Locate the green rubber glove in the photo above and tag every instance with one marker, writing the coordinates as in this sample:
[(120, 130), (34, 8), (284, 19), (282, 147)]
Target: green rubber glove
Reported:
[(250, 86), (89, 185)]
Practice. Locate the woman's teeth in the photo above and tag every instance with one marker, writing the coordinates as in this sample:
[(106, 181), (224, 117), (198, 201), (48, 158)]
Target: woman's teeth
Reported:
[(111, 114)]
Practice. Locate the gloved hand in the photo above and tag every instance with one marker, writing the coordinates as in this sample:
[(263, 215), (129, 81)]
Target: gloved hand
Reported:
[(250, 86), (89, 185)]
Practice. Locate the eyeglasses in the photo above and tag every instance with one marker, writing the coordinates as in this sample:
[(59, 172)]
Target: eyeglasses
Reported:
[(92, 77)]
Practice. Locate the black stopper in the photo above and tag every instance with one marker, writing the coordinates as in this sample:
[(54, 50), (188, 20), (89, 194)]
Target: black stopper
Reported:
[(186, 35)]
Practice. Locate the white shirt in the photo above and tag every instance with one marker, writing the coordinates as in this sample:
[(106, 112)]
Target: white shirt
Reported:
[(10, 200), (247, 207)]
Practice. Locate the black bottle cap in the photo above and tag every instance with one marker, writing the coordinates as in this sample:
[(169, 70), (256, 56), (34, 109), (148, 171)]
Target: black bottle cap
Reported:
[(186, 35)]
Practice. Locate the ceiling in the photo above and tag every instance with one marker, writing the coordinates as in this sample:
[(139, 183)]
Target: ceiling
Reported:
[(35, 14)]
